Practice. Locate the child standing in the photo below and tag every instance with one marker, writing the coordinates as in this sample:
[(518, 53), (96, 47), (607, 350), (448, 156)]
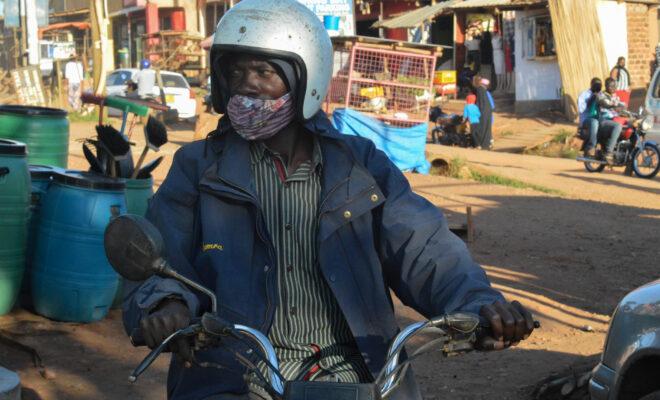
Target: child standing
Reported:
[(471, 116)]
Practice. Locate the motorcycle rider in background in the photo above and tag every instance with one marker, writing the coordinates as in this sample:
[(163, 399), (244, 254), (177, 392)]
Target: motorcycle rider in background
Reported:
[(610, 105), (588, 109)]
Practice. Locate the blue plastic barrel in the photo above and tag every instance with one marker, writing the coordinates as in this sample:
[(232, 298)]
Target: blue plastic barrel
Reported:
[(14, 212), (71, 277), (41, 176)]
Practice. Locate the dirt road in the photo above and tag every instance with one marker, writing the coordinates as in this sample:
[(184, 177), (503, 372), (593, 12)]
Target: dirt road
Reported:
[(569, 257)]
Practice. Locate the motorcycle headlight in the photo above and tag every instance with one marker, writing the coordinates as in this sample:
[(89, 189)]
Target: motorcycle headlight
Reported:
[(647, 123)]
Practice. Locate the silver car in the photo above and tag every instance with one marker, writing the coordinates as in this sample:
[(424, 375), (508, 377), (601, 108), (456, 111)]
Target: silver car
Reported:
[(630, 365), (652, 106)]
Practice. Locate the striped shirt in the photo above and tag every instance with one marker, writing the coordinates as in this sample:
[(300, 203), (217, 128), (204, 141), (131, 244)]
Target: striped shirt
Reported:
[(623, 79), (309, 331)]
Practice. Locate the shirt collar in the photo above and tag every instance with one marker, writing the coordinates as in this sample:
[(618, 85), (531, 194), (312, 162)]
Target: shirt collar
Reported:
[(259, 150)]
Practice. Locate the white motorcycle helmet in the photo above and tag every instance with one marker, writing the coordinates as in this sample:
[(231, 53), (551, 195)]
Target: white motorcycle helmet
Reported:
[(280, 30)]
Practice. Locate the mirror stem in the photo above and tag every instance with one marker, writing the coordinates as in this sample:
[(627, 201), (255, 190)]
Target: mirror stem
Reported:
[(164, 269)]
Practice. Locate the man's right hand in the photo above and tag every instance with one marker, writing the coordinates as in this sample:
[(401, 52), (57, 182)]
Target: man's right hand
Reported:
[(168, 317)]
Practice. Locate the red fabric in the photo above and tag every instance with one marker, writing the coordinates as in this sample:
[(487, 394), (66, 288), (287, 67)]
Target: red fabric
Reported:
[(624, 96)]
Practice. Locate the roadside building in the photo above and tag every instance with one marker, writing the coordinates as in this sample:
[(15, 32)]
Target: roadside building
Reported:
[(517, 49)]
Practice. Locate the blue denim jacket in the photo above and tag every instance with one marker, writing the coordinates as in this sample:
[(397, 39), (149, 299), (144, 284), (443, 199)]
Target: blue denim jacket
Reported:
[(374, 234)]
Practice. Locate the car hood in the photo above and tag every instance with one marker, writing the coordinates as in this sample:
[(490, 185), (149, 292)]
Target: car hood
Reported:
[(635, 326)]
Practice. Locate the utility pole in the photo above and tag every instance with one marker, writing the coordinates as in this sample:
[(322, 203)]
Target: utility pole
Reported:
[(32, 32), (381, 31), (23, 33), (100, 48)]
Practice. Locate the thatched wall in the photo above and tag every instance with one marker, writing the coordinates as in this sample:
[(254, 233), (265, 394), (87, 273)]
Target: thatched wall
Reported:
[(579, 45)]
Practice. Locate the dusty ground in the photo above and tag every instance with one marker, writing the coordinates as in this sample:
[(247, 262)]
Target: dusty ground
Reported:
[(570, 258)]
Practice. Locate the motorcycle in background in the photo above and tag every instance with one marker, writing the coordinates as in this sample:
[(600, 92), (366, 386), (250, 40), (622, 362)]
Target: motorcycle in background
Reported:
[(632, 150)]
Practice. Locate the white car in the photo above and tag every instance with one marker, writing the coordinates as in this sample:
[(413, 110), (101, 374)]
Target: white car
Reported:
[(178, 94)]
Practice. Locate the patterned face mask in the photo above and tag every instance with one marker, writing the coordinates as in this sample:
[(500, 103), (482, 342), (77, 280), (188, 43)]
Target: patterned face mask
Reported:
[(256, 119)]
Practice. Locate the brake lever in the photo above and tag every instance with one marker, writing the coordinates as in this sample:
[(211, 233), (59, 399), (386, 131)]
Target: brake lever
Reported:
[(153, 355)]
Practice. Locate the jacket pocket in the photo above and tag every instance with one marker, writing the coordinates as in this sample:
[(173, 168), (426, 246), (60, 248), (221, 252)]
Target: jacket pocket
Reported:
[(349, 211)]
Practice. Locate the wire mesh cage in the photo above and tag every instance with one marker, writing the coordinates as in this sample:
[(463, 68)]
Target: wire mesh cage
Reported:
[(394, 86)]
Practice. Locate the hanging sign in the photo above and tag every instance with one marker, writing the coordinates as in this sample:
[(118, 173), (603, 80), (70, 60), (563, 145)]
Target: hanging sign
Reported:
[(337, 15)]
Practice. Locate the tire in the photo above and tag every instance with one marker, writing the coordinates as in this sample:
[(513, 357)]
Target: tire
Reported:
[(595, 167), (652, 396), (646, 162)]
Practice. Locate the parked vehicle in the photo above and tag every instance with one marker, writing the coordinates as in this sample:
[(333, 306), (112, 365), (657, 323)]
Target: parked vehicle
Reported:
[(178, 94), (128, 235), (447, 130), (632, 150), (652, 106), (630, 365)]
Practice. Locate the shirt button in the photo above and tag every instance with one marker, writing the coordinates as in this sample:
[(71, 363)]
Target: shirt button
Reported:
[(374, 198), (293, 310), (288, 227), (266, 268), (289, 268), (333, 277), (347, 214)]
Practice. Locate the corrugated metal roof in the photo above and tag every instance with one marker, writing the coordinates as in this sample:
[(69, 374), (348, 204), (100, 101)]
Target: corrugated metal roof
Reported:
[(414, 18)]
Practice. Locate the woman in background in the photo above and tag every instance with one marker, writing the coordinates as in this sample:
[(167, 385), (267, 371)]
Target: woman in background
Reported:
[(483, 135)]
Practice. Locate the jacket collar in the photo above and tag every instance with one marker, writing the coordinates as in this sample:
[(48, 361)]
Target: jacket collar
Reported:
[(341, 179)]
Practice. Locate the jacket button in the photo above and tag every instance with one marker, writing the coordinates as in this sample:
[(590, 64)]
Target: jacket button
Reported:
[(347, 214), (374, 198), (266, 268)]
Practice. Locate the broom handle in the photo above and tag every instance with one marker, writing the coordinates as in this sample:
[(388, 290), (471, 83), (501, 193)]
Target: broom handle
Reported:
[(139, 163)]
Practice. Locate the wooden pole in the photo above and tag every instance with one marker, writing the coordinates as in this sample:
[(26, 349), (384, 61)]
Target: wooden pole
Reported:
[(100, 46), (24, 61), (381, 31)]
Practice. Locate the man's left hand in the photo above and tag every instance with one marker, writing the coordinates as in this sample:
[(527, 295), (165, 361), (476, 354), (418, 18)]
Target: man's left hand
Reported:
[(509, 324)]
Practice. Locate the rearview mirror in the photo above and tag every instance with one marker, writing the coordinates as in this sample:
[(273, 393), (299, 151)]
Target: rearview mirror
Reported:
[(134, 247)]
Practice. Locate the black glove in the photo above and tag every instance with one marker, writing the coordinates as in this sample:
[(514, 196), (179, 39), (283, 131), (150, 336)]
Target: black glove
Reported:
[(168, 317)]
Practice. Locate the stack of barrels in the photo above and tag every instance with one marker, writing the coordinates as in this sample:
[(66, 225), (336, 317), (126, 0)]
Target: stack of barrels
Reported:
[(53, 220)]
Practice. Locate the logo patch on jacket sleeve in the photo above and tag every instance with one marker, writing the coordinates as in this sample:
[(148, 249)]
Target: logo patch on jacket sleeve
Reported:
[(213, 246)]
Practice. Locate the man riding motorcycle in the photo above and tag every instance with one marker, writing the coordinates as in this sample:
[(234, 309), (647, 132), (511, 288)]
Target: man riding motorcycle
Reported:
[(300, 231), (588, 109), (610, 105), (597, 112)]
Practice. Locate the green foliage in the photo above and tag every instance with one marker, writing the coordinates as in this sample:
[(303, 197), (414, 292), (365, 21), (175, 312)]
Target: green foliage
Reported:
[(562, 137), (495, 179), (458, 168)]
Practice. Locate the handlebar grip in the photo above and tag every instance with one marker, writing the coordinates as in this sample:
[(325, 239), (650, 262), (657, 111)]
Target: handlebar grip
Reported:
[(484, 328), (137, 339)]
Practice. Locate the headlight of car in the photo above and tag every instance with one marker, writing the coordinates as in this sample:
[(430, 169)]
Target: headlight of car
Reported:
[(647, 123)]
